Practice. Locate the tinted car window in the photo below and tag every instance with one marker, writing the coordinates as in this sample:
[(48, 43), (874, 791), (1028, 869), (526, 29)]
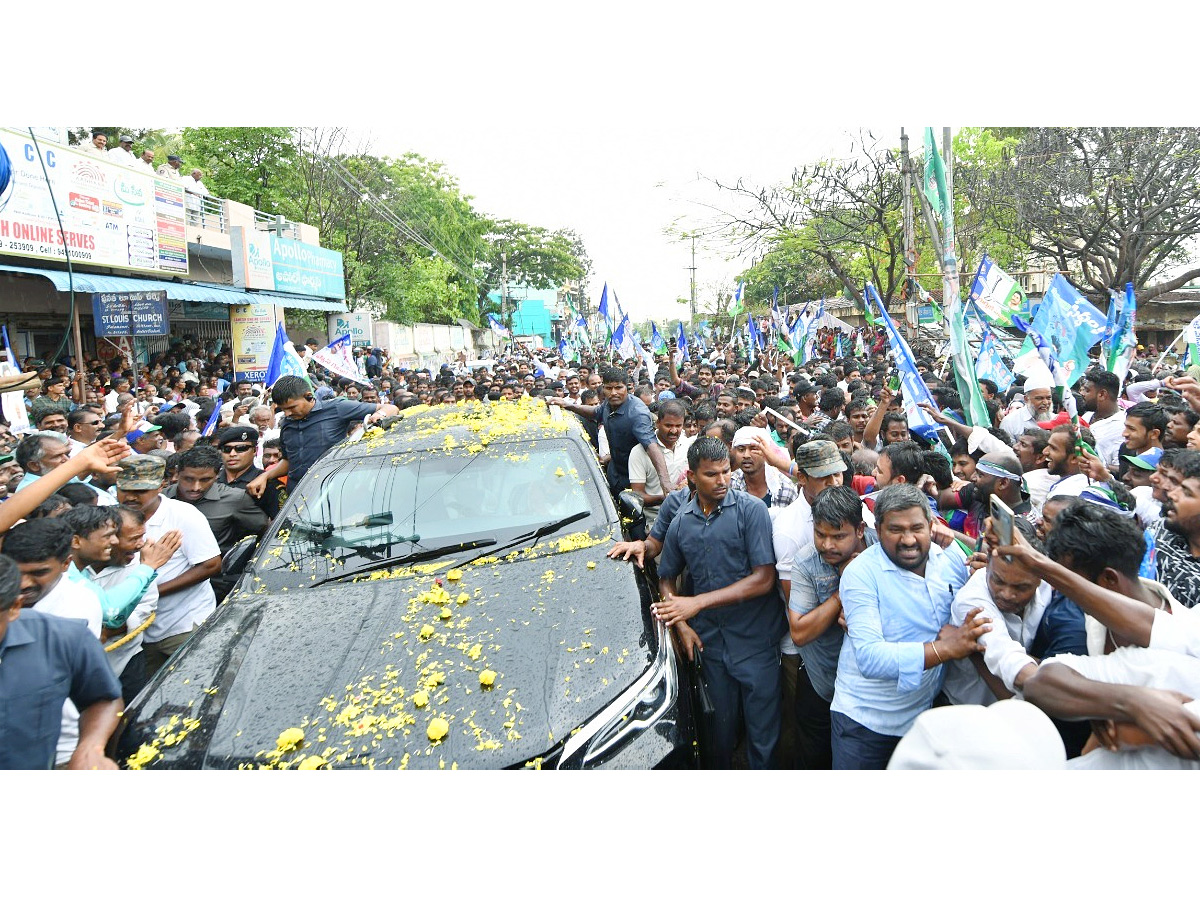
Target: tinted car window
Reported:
[(353, 513)]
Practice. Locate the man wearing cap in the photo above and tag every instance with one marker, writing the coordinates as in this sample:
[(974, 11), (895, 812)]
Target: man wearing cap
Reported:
[(1137, 478), (122, 154), (170, 169), (753, 475), (185, 596), (238, 445), (806, 394), (145, 437), (1039, 403)]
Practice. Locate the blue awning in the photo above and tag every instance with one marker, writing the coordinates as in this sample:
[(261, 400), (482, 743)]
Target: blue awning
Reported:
[(89, 283)]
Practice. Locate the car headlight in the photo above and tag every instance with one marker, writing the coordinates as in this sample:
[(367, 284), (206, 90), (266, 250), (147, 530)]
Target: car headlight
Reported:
[(636, 710)]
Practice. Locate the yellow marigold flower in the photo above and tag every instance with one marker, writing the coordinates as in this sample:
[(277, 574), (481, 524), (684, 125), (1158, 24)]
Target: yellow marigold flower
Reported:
[(426, 632), (437, 729), (312, 762), (420, 699), (289, 739), (487, 677), (454, 575)]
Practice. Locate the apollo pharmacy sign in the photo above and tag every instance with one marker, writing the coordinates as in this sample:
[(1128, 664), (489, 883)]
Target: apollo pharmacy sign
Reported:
[(262, 261)]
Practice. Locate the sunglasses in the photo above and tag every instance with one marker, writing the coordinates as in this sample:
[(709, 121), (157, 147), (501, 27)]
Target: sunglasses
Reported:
[(237, 448)]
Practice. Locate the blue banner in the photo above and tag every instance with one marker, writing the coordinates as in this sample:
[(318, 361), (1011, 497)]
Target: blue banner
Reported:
[(915, 390)]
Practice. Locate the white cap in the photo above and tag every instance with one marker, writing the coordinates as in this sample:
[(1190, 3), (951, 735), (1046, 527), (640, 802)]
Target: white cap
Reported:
[(744, 436), (1009, 734), (1038, 376)]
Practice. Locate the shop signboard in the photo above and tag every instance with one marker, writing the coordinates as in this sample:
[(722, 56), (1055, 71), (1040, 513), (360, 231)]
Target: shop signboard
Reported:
[(264, 262), (112, 215), (142, 313), (359, 325), (253, 335)]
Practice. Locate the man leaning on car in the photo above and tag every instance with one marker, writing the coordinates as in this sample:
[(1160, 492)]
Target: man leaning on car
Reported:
[(734, 620)]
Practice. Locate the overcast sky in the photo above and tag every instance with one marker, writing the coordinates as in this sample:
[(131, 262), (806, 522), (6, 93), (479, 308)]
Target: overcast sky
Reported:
[(606, 118), (620, 190)]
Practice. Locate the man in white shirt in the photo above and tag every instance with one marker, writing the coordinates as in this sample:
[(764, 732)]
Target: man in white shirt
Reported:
[(145, 162), (97, 146), (185, 596), (1009, 593), (1100, 392), (194, 185), (122, 154), (643, 479), (1039, 402), (41, 548)]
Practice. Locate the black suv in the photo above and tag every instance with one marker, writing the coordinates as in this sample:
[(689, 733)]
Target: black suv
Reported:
[(433, 595)]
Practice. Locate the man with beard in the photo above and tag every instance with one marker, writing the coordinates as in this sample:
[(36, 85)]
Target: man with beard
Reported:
[(896, 600), (1030, 448), (231, 513), (1039, 403), (996, 473), (1064, 462), (1177, 535)]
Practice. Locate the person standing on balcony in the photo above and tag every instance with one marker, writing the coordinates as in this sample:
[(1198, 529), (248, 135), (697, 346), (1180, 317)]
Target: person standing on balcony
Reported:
[(97, 145), (145, 162), (170, 169), (122, 154), (195, 186)]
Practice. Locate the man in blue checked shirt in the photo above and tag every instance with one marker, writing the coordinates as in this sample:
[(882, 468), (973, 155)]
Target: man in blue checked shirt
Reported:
[(896, 600)]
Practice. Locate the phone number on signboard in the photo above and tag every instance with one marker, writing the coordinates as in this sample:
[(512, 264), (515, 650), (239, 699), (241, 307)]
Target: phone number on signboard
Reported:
[(43, 249)]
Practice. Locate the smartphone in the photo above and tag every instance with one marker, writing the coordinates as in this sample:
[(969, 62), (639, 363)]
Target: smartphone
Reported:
[(894, 383), (1002, 516)]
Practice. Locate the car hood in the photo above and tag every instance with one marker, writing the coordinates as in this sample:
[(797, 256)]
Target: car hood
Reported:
[(346, 665)]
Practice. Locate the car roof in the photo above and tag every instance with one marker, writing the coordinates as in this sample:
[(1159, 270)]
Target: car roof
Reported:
[(472, 423)]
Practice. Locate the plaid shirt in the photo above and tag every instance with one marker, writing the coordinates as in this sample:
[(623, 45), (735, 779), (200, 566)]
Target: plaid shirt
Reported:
[(780, 489)]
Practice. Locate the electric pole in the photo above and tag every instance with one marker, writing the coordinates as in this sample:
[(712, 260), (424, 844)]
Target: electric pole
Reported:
[(504, 315), (692, 305), (911, 312)]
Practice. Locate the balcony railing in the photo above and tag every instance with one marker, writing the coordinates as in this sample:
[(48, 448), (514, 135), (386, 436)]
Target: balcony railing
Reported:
[(212, 213)]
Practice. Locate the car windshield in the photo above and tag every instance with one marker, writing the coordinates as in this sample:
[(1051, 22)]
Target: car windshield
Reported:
[(354, 514)]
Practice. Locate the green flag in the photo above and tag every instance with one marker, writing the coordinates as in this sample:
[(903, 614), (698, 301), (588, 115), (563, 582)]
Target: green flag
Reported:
[(935, 175)]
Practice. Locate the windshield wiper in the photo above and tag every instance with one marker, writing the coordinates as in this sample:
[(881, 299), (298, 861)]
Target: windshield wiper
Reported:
[(540, 531), (322, 531), (415, 556)]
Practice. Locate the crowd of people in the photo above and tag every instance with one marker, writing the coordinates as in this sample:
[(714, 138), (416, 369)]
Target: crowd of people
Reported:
[(834, 574)]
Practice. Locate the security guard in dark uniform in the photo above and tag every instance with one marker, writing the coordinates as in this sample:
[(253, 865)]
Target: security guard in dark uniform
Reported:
[(734, 620), (238, 445)]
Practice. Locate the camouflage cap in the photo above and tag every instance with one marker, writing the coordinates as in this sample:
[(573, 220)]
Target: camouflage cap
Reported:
[(819, 458), (141, 473)]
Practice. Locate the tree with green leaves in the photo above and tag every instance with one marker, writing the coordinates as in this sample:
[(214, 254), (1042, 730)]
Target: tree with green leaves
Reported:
[(1115, 205), (254, 166)]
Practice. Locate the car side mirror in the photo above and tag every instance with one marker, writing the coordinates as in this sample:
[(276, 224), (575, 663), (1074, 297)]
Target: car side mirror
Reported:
[(237, 556), (633, 513)]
